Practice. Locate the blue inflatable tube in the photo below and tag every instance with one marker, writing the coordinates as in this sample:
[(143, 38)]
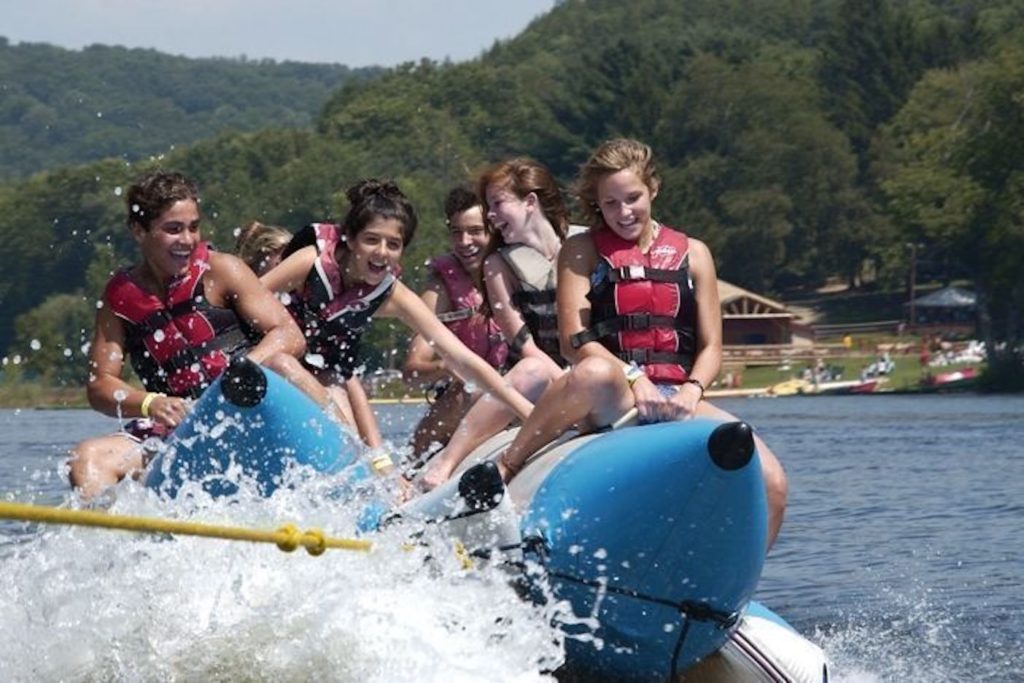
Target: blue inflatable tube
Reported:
[(253, 421), (656, 532), (653, 535)]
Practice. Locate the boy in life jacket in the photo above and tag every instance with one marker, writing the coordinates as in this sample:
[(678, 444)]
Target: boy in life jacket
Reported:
[(525, 206), (179, 315), (455, 292), (639, 317), (339, 277)]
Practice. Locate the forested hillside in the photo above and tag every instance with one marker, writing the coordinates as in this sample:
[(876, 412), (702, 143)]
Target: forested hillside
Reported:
[(801, 139), (62, 107)]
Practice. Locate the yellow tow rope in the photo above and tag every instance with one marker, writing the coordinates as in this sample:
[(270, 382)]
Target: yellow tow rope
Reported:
[(287, 538)]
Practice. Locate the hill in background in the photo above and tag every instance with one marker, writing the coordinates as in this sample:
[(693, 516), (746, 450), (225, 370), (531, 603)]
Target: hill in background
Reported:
[(67, 107), (803, 140)]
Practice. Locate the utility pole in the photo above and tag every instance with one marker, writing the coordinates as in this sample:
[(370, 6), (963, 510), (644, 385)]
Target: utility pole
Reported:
[(913, 281)]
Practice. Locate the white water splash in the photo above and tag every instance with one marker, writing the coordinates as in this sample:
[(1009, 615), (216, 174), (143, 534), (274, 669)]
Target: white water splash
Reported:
[(86, 604)]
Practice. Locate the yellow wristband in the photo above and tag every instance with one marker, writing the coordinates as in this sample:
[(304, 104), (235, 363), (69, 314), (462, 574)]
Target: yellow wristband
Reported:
[(381, 463), (144, 408), (633, 373)]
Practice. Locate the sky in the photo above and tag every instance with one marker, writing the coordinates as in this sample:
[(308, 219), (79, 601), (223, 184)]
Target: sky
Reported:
[(351, 32)]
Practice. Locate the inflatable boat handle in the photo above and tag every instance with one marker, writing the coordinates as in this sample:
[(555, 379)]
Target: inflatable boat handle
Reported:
[(731, 445), (244, 383)]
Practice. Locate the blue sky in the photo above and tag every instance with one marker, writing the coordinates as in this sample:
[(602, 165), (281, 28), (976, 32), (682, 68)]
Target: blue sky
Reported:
[(352, 32)]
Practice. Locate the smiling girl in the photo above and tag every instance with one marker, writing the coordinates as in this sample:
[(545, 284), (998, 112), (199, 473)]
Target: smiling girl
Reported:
[(524, 206), (339, 277), (179, 315), (638, 315)]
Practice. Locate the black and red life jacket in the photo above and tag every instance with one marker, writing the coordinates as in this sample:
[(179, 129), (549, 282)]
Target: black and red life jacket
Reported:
[(180, 343), (333, 318), (643, 307)]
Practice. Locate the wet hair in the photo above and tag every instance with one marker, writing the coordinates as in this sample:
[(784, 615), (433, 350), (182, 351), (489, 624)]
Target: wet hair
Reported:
[(154, 193), (611, 157), (521, 176), (374, 198), (460, 199), (257, 243)]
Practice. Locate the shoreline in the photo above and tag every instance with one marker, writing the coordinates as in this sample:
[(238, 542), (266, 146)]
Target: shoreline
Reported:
[(31, 396)]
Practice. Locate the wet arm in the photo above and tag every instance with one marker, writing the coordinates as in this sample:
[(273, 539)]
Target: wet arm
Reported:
[(255, 304), (107, 392), (410, 309), (708, 360), (422, 364), (708, 357), (362, 413)]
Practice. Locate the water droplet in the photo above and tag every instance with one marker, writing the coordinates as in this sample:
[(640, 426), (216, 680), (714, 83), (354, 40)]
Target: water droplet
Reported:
[(118, 191), (120, 395), (159, 336), (67, 353), (35, 345)]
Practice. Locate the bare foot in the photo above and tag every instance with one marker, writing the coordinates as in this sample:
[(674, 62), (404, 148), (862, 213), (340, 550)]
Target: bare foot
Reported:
[(435, 475)]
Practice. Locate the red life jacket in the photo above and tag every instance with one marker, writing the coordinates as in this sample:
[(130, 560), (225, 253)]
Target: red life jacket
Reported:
[(179, 344), (476, 330), (333, 318), (643, 307)]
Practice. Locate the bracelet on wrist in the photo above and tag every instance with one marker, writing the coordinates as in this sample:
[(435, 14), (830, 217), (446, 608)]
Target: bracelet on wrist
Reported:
[(146, 402), (697, 383), (633, 373)]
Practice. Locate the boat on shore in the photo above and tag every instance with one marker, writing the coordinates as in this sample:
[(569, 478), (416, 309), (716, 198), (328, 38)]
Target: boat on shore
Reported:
[(804, 387), (960, 379), (649, 539)]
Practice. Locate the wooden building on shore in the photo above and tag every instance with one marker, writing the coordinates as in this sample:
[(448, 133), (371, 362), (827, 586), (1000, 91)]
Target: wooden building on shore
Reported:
[(751, 319)]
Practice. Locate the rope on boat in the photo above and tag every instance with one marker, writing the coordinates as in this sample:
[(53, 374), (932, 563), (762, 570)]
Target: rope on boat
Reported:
[(287, 538)]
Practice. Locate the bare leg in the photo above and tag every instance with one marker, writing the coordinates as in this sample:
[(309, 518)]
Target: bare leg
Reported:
[(487, 417), (96, 464), (336, 405), (775, 483), (363, 416), (594, 392), (438, 425)]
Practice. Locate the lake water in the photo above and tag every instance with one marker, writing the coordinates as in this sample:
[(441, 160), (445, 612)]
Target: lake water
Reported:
[(902, 556)]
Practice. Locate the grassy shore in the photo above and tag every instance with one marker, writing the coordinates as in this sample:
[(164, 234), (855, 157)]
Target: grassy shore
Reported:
[(25, 394), (906, 376)]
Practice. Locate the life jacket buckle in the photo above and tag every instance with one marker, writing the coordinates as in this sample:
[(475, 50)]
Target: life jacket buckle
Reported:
[(638, 321), (633, 272)]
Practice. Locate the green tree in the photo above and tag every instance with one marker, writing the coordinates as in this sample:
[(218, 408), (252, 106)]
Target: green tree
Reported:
[(53, 338), (951, 165)]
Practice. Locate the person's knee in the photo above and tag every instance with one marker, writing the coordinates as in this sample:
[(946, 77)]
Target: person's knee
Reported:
[(281, 363), (88, 461), (79, 464), (529, 376), (594, 375), (775, 482)]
